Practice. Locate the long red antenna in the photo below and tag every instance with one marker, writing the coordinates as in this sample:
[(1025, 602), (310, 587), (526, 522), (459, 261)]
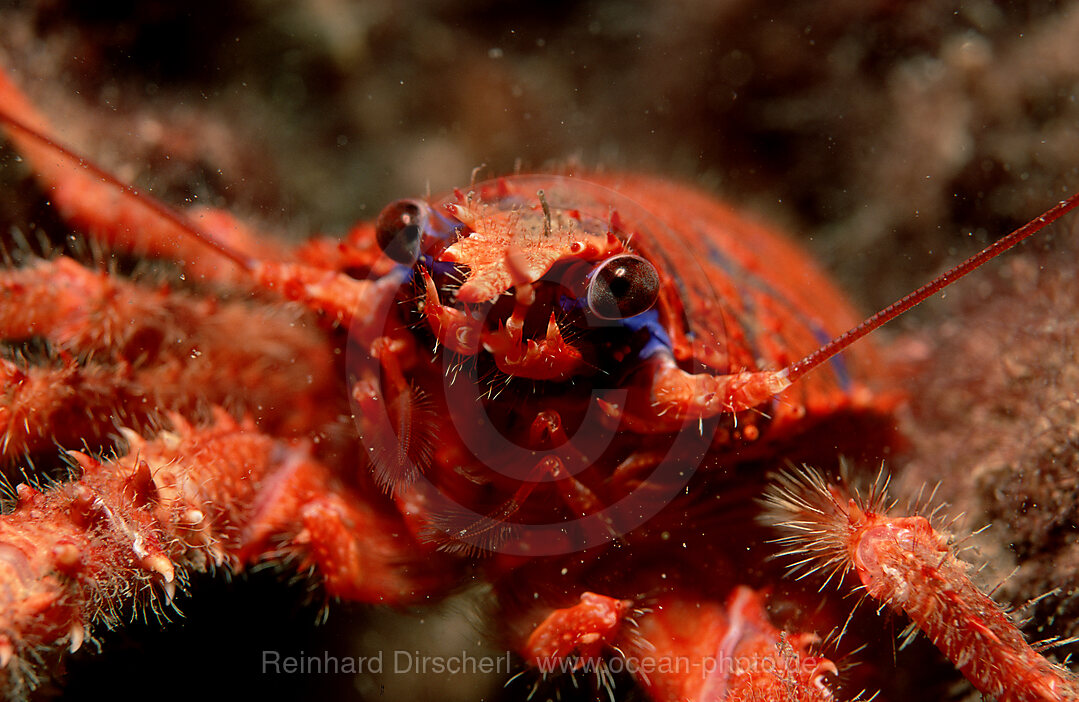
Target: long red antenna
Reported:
[(797, 370), (177, 218)]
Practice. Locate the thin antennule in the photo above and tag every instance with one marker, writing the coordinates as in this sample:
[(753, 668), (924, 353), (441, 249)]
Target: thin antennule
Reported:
[(797, 370), (175, 217)]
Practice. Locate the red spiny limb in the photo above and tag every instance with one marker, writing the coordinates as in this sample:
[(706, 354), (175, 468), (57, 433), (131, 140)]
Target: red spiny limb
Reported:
[(704, 650), (126, 531), (904, 563), (821, 355), (153, 349), (68, 404), (74, 307)]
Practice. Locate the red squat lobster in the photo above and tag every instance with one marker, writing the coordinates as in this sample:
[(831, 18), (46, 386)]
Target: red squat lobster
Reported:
[(568, 386)]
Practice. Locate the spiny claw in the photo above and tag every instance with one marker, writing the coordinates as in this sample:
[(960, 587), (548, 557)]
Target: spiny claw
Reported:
[(7, 651), (160, 564), (77, 635)]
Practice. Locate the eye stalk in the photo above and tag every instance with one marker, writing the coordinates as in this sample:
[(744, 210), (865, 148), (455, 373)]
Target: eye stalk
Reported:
[(622, 286), (399, 229)]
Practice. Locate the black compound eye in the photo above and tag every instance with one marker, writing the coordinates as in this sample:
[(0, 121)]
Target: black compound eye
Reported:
[(623, 286), (399, 230)]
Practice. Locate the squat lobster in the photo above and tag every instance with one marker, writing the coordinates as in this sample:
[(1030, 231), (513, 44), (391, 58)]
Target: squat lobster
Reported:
[(536, 367)]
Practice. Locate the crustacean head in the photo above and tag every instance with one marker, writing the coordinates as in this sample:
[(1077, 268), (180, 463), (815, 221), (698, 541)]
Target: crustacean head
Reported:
[(525, 321), (510, 270)]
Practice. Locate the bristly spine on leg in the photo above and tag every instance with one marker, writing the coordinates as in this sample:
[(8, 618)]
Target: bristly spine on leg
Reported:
[(908, 566)]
